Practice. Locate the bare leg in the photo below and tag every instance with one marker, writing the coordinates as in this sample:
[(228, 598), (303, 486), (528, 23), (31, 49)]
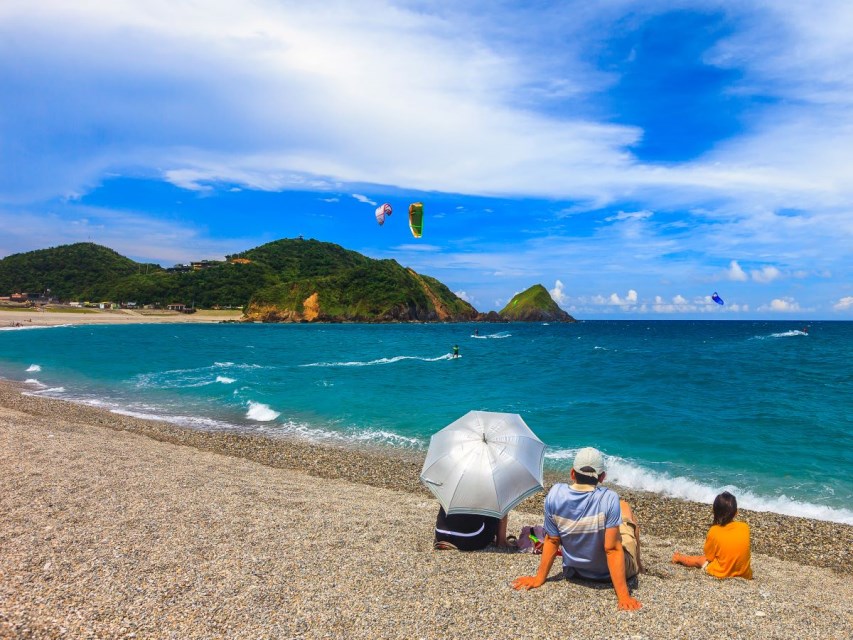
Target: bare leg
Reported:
[(628, 514), (500, 538)]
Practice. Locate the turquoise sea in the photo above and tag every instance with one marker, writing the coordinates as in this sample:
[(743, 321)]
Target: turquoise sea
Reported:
[(680, 408)]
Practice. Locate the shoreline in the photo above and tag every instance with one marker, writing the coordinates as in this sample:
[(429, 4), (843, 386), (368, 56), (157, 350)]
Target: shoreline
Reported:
[(118, 527), (818, 543)]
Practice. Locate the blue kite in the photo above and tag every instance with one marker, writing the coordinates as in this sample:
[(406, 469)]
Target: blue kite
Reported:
[(717, 298)]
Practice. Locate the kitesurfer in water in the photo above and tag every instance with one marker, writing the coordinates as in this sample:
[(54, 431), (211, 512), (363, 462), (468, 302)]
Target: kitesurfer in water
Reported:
[(455, 350)]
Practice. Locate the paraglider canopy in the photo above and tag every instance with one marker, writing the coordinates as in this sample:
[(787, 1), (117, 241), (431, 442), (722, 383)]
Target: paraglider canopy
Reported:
[(716, 298), (416, 218), (382, 212)]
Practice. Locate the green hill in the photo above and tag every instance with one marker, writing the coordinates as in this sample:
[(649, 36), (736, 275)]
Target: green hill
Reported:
[(534, 305), (325, 282), (79, 271), (286, 280)]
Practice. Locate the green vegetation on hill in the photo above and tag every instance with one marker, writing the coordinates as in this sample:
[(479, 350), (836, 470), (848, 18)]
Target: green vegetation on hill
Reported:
[(534, 305), (291, 279), (83, 270)]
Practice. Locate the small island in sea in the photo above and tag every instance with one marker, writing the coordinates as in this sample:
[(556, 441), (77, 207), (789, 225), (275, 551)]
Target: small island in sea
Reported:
[(288, 280)]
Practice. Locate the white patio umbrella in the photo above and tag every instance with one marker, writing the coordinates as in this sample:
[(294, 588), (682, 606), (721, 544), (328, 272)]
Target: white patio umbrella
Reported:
[(484, 463)]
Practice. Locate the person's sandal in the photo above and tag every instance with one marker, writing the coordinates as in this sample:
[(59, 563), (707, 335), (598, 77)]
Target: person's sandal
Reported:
[(512, 542), (442, 545)]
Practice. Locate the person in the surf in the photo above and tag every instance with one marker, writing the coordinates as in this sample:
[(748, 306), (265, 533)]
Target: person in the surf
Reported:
[(455, 350), (476, 332)]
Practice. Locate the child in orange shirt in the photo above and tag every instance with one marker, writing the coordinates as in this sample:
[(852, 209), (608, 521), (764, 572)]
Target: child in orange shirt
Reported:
[(727, 553)]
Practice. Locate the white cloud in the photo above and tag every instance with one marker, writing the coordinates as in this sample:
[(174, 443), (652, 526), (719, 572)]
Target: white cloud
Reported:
[(633, 215), (736, 273), (629, 299), (131, 234), (844, 304), (463, 295), (781, 305), (765, 274), (363, 199), (678, 299), (558, 294)]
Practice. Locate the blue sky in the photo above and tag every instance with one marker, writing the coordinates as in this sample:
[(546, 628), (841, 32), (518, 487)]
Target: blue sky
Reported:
[(633, 157)]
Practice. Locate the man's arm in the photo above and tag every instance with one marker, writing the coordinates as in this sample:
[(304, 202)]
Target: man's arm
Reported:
[(549, 552), (616, 565)]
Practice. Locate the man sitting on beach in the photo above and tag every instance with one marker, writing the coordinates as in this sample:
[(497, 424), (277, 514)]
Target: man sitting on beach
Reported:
[(597, 530)]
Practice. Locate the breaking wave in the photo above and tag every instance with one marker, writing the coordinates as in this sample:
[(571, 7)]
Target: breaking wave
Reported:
[(633, 476)]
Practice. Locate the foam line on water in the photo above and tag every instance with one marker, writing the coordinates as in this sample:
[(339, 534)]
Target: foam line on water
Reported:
[(33, 368), (493, 336), (190, 378), (633, 476), (35, 326), (380, 361), (288, 428), (320, 435), (47, 391), (783, 334)]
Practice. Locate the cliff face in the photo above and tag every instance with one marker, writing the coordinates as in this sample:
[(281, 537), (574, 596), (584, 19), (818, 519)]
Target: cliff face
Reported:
[(534, 305)]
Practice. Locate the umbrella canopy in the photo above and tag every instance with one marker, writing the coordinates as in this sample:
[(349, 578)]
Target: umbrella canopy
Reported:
[(484, 463)]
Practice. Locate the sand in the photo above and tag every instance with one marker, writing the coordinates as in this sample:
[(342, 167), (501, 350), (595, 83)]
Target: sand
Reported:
[(9, 316), (115, 527)]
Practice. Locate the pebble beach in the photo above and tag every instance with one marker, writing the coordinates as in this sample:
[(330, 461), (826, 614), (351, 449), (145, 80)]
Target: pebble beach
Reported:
[(116, 527)]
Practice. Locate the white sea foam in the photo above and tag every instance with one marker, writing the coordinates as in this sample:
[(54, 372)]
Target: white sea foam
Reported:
[(35, 382), (633, 476), (784, 334), (364, 436), (196, 422), (33, 367), (190, 378), (788, 334), (447, 356), (261, 412), (35, 326), (49, 391), (494, 336)]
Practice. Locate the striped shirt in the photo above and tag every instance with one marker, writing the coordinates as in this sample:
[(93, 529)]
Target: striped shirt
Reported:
[(579, 519)]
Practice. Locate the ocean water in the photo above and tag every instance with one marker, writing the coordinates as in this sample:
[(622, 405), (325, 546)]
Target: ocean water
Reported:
[(680, 408)]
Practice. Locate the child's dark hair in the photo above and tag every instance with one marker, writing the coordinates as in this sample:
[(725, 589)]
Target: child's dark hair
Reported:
[(725, 508)]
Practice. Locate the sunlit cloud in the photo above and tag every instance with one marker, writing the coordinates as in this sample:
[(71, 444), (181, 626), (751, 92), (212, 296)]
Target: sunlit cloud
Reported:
[(844, 304), (781, 305), (558, 293), (765, 274), (736, 273)]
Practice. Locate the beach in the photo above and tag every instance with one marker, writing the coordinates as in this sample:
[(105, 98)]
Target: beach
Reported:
[(116, 527), (33, 317)]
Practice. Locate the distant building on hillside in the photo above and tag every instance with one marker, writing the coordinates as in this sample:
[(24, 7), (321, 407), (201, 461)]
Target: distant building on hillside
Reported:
[(176, 306), (204, 264)]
